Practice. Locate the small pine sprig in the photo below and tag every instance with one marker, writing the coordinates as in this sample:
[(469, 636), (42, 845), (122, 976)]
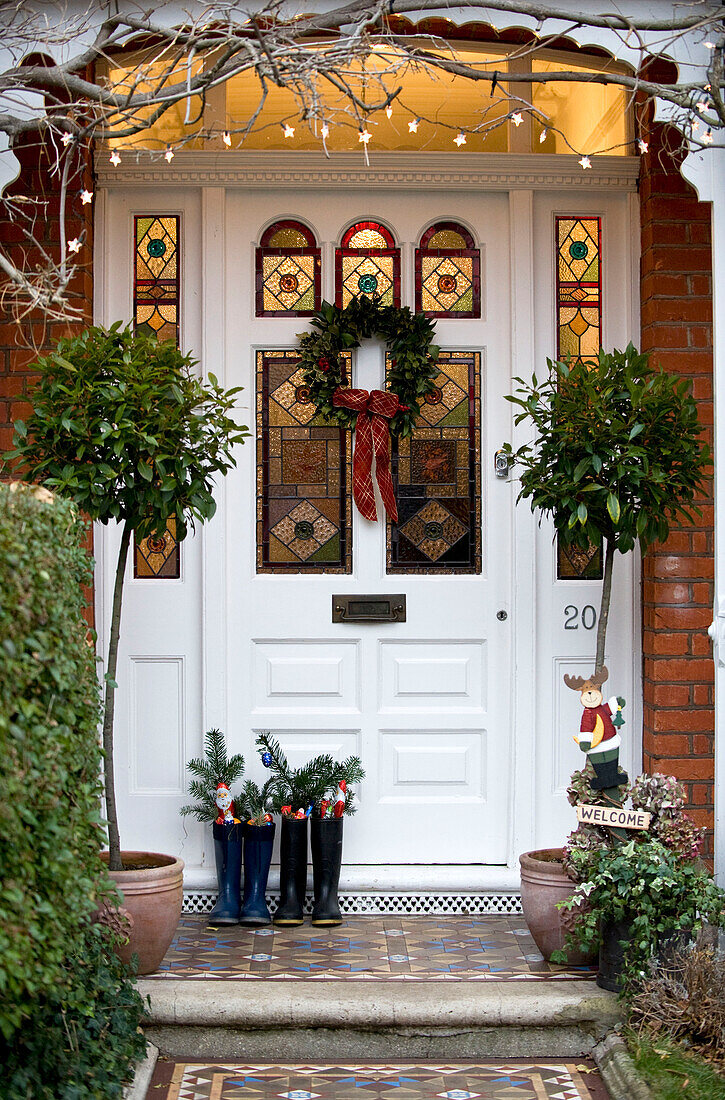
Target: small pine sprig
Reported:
[(255, 802), (296, 787), (210, 770)]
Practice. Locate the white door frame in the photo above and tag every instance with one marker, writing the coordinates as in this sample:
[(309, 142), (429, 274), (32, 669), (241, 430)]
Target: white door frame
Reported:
[(208, 174)]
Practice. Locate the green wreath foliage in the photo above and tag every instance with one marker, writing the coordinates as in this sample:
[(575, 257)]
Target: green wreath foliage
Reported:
[(408, 339)]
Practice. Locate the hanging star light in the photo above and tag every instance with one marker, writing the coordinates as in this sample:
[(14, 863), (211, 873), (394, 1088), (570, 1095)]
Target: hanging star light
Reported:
[(364, 136), (169, 154), (74, 245), (227, 138), (643, 146), (86, 197), (389, 110), (542, 136), (585, 162), (66, 138), (707, 138), (460, 139), (115, 159), (413, 126), (289, 131), (696, 125), (702, 106), (517, 118), (324, 130)]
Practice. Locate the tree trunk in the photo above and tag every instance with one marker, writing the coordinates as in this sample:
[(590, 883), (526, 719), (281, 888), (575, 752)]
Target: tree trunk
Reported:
[(604, 608), (114, 841)]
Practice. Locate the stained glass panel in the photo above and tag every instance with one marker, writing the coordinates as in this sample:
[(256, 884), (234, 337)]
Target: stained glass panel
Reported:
[(437, 476), (578, 287), (304, 477), (288, 271), (367, 264), (156, 276), (447, 273), (158, 555), (579, 334)]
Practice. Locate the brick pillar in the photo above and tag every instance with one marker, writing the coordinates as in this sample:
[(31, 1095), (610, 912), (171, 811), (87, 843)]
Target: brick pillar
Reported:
[(678, 673), (22, 339)]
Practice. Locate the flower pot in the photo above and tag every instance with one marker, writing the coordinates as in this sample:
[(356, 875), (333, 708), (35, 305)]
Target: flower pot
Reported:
[(544, 882), (292, 871), (615, 937), (228, 855), (152, 889), (326, 845), (258, 841)]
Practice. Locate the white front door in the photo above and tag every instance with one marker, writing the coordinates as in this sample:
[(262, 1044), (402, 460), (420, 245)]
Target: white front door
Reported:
[(425, 702)]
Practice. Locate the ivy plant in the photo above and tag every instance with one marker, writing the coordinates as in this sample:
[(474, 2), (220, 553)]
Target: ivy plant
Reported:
[(122, 426), (617, 455)]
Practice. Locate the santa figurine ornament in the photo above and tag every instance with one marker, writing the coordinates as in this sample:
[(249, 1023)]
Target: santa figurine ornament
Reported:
[(226, 806), (599, 731)]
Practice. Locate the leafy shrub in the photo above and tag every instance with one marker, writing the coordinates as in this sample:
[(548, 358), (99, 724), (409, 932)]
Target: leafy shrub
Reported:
[(51, 876)]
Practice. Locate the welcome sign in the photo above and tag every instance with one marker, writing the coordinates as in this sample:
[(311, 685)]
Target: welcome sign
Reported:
[(613, 815)]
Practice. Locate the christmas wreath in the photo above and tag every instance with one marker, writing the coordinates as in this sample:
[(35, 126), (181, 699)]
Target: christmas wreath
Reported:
[(377, 414)]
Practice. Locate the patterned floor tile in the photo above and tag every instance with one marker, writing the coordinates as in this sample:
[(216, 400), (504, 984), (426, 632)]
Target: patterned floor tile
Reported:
[(515, 1080), (487, 948)]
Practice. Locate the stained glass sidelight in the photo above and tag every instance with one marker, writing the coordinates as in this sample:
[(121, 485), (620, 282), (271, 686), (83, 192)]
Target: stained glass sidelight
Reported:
[(304, 477), (579, 334), (437, 476), (156, 292), (578, 287), (447, 272), (367, 263), (288, 271), (156, 279)]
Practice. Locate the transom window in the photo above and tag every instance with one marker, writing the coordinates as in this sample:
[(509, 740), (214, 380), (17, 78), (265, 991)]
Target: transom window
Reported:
[(367, 264)]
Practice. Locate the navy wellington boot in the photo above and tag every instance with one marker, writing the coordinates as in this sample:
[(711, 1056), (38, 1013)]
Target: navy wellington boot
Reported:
[(326, 843), (292, 871), (258, 842), (228, 854)]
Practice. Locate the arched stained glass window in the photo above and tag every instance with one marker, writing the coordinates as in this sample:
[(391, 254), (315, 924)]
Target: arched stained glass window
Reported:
[(367, 264), (448, 272), (288, 271)]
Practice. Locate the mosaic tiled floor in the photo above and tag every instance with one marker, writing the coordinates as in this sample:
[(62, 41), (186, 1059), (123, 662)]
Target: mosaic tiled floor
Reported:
[(537, 1080), (485, 948)]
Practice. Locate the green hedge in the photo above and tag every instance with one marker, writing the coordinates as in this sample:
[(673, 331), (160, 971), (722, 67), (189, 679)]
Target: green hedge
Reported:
[(68, 1013)]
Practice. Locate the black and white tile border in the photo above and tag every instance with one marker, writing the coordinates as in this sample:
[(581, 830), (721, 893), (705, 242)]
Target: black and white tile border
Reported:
[(373, 904)]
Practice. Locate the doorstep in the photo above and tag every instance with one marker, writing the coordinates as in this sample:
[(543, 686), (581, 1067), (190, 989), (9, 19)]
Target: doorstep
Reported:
[(373, 988)]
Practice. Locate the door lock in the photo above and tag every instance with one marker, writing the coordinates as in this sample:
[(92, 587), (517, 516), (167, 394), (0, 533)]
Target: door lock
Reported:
[(502, 616), (501, 464)]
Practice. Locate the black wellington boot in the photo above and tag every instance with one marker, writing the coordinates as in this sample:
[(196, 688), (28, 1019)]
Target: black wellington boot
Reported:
[(326, 842), (258, 841), (608, 775), (228, 853), (292, 871)]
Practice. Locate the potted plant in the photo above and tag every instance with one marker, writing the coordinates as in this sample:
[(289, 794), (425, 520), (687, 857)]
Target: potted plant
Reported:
[(122, 426), (259, 831), (294, 793), (214, 774), (643, 891), (616, 457)]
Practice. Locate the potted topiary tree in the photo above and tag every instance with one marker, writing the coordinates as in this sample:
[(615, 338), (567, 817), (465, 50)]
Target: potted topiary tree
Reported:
[(122, 426), (616, 457)]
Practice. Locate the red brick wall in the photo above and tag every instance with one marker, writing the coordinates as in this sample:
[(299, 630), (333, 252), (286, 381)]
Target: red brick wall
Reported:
[(22, 338), (678, 671)]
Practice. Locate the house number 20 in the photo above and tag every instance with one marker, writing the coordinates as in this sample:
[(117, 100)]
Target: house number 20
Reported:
[(572, 616)]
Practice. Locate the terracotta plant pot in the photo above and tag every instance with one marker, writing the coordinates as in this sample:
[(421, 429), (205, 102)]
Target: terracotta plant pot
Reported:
[(544, 882), (152, 898)]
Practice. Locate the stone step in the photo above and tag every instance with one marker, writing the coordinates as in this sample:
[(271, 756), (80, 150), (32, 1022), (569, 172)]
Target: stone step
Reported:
[(323, 1021)]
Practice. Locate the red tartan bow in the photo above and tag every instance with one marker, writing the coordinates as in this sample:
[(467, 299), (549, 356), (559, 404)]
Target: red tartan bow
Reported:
[(374, 409)]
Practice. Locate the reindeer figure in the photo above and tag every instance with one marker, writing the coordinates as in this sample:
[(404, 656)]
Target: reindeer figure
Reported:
[(599, 736)]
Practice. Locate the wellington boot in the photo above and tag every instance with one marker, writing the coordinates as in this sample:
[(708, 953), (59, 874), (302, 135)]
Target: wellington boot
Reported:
[(608, 774), (228, 854), (326, 842), (292, 871), (258, 842)]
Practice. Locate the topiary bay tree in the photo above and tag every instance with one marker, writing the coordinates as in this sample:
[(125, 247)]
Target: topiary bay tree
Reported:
[(122, 426), (617, 455)]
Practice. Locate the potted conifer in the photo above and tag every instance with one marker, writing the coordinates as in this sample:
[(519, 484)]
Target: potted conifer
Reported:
[(122, 426), (616, 457)]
